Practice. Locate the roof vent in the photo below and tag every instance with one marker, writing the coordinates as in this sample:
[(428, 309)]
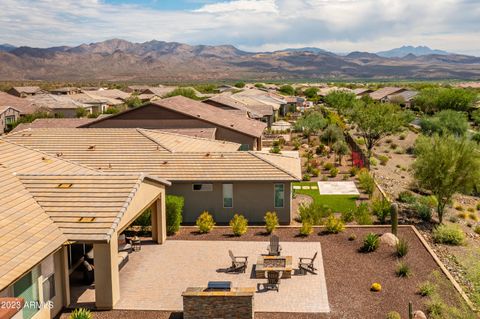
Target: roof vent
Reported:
[(86, 219), (64, 185), (109, 165), (207, 155), (91, 147), (198, 115), (231, 125), (59, 154), (165, 162)]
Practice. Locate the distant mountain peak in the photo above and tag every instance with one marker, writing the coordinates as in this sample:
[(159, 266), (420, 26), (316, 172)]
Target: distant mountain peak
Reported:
[(406, 50), (7, 47)]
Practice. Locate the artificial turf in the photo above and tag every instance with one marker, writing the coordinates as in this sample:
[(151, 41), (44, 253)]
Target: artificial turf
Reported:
[(338, 203)]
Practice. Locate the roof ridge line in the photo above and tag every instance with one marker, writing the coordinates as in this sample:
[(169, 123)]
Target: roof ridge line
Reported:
[(271, 163), (187, 136), (141, 131)]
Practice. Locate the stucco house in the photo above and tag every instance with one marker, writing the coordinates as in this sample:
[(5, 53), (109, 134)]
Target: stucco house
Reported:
[(179, 112), (11, 109), (211, 175), (25, 91), (383, 93)]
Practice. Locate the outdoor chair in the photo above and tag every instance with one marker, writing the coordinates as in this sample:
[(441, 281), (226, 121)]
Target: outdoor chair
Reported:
[(274, 248), (273, 280), (305, 264), (239, 263)]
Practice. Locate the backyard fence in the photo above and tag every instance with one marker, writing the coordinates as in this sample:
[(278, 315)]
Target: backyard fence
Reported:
[(359, 158)]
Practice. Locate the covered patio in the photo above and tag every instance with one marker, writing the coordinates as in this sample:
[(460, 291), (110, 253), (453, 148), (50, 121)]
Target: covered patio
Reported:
[(155, 278)]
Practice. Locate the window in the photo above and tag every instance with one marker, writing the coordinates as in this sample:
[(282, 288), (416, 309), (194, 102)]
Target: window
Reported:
[(9, 119), (244, 147), (227, 195), (202, 187), (48, 274), (27, 288), (279, 195)]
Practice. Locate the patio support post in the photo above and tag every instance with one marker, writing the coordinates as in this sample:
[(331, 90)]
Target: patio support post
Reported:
[(159, 229), (65, 276), (107, 282)]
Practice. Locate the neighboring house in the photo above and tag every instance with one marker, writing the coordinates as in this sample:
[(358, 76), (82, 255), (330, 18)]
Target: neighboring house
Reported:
[(58, 105), (253, 97), (259, 111), (110, 94), (52, 123), (324, 91), (11, 109), (281, 126), (210, 175), (55, 212), (179, 112), (65, 91), (137, 89), (25, 91), (361, 92), (226, 88), (95, 104), (383, 93), (404, 98), (160, 91)]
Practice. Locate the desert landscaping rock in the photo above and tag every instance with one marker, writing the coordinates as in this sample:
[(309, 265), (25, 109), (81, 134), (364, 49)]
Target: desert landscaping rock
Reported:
[(389, 239)]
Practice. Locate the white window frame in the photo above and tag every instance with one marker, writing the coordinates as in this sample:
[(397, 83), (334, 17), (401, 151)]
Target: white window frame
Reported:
[(274, 194), (223, 195), (205, 187)]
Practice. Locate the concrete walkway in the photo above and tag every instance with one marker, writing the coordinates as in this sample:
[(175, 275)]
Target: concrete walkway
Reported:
[(338, 188), (155, 277)]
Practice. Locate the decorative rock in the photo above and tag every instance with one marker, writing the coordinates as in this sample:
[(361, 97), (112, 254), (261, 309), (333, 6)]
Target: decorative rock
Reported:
[(389, 239), (419, 315), (376, 287)]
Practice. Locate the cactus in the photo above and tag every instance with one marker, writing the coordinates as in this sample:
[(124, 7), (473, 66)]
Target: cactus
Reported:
[(410, 310), (394, 218)]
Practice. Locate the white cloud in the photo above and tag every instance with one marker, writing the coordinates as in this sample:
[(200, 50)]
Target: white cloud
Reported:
[(336, 25)]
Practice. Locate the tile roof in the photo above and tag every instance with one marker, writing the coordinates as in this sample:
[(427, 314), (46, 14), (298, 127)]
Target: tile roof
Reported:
[(111, 93), (207, 132), (256, 109), (52, 123), (139, 150), (384, 92), (24, 106), (27, 89), (53, 102), (89, 97), (406, 95)]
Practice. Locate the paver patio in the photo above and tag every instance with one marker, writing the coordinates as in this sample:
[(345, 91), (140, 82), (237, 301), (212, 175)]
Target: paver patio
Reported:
[(338, 188), (155, 277)]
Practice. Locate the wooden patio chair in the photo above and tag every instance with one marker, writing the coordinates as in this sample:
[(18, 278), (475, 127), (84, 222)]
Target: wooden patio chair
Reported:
[(274, 248), (305, 264), (273, 280), (239, 263)]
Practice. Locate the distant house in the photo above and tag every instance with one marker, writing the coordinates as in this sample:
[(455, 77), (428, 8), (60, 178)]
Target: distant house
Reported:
[(52, 123), (281, 126), (95, 104), (65, 91), (58, 105), (137, 89), (110, 93), (383, 93), (226, 88), (179, 112), (359, 92), (404, 98), (25, 91), (11, 109), (260, 111)]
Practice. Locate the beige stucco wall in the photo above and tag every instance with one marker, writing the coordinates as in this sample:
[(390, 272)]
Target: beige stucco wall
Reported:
[(3, 115), (251, 199)]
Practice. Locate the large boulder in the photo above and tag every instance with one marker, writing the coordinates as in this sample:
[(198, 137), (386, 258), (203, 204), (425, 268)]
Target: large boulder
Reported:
[(419, 315), (389, 239)]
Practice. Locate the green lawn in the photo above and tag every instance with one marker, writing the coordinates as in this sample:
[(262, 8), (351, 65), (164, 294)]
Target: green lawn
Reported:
[(338, 203)]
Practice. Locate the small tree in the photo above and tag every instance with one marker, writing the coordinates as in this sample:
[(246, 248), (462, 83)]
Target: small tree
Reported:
[(174, 206), (240, 85), (287, 89), (331, 134), (340, 148), (311, 93), (375, 121), (446, 165), (133, 102), (271, 221), (311, 123), (81, 112)]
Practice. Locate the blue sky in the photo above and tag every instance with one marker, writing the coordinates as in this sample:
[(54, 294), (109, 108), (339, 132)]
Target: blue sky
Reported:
[(253, 25)]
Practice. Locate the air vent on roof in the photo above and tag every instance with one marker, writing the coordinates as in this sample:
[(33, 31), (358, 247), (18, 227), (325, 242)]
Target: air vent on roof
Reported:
[(59, 154), (86, 219), (231, 125), (207, 155), (64, 185), (91, 147), (198, 115)]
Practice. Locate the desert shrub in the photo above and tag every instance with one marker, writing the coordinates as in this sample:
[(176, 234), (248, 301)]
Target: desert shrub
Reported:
[(360, 141), (402, 136), (334, 225), (459, 208), (296, 143), (401, 248), (381, 209), (333, 171), (393, 146), (406, 197), (462, 215), (477, 229), (449, 235), (320, 149), (174, 208), (362, 214), (205, 222), (352, 237), (478, 206), (239, 85), (366, 182), (445, 122), (306, 177), (403, 270), (471, 209), (383, 159), (353, 171), (393, 315), (426, 289), (328, 166), (306, 228), (436, 308), (423, 211), (370, 243), (453, 219), (373, 161), (473, 217), (239, 225), (388, 140), (81, 313), (348, 216), (271, 221), (315, 172), (314, 213)]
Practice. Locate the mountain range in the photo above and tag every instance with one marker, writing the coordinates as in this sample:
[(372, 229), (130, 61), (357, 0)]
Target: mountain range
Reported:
[(120, 60)]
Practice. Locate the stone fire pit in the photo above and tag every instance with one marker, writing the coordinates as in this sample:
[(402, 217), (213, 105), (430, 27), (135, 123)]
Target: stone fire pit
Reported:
[(273, 263)]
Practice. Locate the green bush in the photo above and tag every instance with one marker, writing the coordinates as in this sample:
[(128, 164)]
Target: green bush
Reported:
[(370, 243), (393, 315), (348, 216), (426, 289), (306, 177), (240, 85), (81, 313), (362, 215), (445, 122), (315, 172), (144, 220), (271, 221), (353, 171), (328, 166), (239, 225), (477, 229), (333, 172), (436, 308), (401, 248), (373, 161), (306, 228), (381, 208), (423, 211), (403, 270), (174, 206), (314, 213), (366, 181), (406, 197), (205, 222), (334, 225), (449, 235), (383, 159)]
